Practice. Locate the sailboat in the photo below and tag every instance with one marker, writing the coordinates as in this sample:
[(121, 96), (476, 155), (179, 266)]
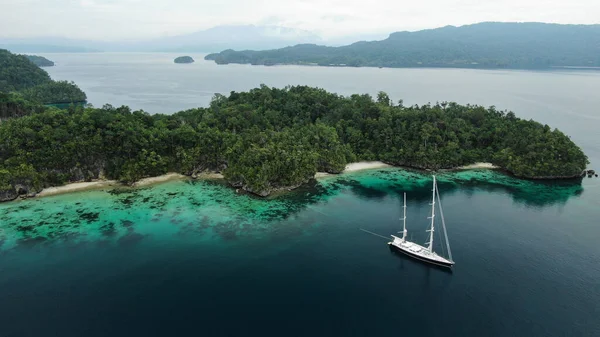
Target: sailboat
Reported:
[(424, 253)]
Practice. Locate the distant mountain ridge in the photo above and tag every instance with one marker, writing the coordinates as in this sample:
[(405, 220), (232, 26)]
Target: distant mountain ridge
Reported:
[(482, 45)]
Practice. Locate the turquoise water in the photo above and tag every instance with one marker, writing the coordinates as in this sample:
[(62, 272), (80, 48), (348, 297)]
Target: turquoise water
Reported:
[(197, 257), (210, 210)]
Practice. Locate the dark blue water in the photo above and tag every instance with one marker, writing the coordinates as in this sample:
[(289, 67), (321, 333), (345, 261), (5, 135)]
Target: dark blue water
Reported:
[(194, 258)]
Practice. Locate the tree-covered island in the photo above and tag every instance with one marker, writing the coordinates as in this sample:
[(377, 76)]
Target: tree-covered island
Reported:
[(20, 78), (268, 138), (184, 59)]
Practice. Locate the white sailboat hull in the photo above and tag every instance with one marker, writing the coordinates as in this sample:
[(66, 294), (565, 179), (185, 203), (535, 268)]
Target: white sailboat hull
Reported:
[(419, 252)]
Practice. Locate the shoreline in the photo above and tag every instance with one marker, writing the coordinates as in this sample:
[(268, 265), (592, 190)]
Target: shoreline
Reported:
[(477, 166), (172, 176), (354, 167), (158, 179), (371, 165), (76, 187), (99, 184)]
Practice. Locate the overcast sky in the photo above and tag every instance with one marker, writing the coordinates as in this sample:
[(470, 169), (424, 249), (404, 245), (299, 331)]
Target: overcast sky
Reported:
[(122, 19)]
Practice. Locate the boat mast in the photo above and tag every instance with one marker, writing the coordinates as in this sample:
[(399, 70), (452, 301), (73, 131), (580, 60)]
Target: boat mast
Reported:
[(443, 223), (430, 247), (404, 220)]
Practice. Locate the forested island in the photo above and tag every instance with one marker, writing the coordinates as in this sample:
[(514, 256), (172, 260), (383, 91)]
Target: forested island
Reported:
[(483, 45), (20, 78), (268, 139), (184, 59), (40, 61)]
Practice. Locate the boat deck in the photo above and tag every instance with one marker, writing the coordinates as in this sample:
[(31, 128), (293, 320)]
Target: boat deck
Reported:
[(417, 251)]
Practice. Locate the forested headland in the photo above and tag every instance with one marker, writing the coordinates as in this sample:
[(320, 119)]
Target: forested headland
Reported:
[(483, 45), (21, 78), (40, 61), (270, 138)]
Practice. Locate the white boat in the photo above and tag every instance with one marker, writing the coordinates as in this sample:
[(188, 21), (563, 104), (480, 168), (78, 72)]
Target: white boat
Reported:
[(424, 253)]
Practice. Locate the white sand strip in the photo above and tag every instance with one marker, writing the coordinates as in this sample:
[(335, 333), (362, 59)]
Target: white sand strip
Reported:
[(209, 175), (159, 179), (352, 167), (478, 166), (75, 187), (365, 165), (321, 175)]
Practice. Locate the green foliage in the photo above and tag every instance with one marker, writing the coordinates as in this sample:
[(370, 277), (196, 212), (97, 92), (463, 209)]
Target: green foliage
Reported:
[(5, 180), (483, 45), (14, 105), (40, 61), (55, 93), (271, 138), (18, 73)]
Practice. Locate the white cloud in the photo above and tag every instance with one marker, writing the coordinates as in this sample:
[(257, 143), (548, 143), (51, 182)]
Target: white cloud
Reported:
[(121, 19)]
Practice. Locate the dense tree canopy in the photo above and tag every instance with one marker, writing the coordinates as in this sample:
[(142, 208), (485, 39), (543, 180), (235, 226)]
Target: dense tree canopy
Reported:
[(55, 92), (14, 105), (483, 45), (20, 75), (270, 138)]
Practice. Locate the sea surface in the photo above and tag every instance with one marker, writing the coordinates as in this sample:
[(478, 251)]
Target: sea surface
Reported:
[(195, 258)]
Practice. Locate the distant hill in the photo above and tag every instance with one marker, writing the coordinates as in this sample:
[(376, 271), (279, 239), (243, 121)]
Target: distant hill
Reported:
[(482, 45)]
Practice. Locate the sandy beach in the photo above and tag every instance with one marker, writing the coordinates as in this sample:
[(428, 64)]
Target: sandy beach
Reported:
[(160, 179), (368, 165), (99, 184), (359, 166), (365, 165), (209, 175), (76, 187), (478, 166)]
